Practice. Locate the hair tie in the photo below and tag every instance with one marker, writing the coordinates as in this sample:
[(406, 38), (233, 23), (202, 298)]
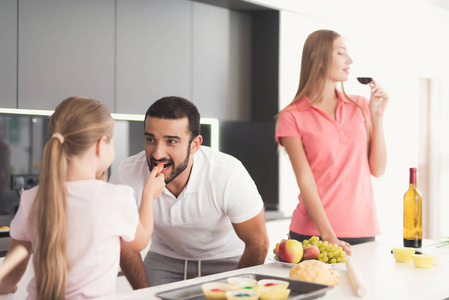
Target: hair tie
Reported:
[(59, 137)]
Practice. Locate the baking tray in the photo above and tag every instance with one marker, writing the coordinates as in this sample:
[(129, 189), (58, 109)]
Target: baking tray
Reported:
[(299, 289)]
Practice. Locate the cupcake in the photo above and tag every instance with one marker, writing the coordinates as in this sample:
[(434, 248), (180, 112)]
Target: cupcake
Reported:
[(215, 290), (423, 261), (403, 255), (273, 283), (273, 293), (242, 295), (242, 283)]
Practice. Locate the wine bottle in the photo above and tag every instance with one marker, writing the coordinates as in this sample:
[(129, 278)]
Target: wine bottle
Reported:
[(413, 214)]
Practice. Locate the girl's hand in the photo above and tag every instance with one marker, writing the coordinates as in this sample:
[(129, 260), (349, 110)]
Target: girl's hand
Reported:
[(378, 101), (155, 184), (9, 290)]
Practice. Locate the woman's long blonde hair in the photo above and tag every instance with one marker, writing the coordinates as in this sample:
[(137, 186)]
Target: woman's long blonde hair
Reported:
[(315, 66), (77, 124)]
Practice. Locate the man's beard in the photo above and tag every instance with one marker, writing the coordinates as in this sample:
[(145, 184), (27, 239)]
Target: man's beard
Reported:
[(176, 170)]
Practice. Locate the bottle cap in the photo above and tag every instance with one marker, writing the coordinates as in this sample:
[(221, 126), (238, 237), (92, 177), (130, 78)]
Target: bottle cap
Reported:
[(413, 170)]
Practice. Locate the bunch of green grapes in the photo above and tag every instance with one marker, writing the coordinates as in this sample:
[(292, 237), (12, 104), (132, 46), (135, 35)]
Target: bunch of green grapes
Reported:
[(329, 253)]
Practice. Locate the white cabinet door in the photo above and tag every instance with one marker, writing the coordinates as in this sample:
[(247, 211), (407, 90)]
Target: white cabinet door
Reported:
[(8, 53), (153, 52), (66, 48)]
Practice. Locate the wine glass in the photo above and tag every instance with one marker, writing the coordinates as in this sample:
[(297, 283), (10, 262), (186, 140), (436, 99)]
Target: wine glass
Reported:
[(364, 80)]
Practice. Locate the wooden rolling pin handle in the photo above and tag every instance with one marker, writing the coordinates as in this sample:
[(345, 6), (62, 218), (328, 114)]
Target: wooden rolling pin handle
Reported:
[(356, 279)]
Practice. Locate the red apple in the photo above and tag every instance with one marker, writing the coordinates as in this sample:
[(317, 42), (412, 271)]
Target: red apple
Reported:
[(290, 251), (311, 252)]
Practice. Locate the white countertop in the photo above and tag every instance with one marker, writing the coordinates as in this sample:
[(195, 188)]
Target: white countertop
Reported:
[(384, 277)]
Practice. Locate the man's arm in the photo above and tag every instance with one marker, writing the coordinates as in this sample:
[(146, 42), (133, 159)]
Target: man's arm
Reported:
[(254, 234), (132, 266)]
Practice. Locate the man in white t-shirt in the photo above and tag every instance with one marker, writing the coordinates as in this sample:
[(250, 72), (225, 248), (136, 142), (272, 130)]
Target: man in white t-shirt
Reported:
[(209, 219)]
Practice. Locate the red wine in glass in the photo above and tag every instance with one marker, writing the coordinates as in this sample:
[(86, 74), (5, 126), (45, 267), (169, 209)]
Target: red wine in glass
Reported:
[(364, 80)]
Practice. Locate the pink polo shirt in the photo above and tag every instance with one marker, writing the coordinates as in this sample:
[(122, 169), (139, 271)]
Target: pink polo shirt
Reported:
[(337, 154)]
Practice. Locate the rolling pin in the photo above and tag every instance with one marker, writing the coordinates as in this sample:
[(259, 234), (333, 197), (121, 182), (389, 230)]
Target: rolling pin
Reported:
[(355, 278)]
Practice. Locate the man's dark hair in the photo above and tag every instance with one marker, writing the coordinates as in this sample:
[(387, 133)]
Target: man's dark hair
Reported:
[(174, 108)]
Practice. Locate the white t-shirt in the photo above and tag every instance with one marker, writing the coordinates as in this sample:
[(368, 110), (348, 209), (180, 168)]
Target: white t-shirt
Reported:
[(197, 224), (99, 213)]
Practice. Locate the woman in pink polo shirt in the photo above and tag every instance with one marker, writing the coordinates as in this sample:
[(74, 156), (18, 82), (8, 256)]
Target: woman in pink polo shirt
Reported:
[(335, 142)]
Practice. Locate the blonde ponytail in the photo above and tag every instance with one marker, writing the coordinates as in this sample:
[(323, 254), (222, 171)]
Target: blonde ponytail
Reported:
[(51, 254), (77, 124)]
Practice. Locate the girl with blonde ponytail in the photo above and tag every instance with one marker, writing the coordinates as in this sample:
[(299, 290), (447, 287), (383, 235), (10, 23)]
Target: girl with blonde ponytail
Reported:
[(335, 142), (71, 222)]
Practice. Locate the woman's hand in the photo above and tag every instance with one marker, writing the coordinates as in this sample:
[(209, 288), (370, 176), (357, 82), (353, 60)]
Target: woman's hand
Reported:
[(378, 101), (345, 246)]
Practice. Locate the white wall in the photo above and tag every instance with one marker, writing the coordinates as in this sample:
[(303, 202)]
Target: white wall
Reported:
[(396, 43)]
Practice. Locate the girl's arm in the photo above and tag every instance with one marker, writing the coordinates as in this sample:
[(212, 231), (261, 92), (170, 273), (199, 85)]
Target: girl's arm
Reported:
[(309, 191), (154, 186), (377, 148), (14, 266)]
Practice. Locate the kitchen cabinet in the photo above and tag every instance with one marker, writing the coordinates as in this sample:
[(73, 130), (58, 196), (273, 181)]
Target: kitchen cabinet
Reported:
[(8, 53), (66, 48), (184, 48), (222, 62), (128, 54), (153, 52)]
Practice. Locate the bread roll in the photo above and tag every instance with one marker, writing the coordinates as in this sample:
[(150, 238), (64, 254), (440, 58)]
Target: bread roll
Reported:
[(315, 271)]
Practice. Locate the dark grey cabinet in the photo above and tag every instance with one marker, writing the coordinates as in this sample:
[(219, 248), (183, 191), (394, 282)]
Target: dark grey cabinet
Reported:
[(185, 48), (8, 53), (154, 52), (66, 48), (222, 47)]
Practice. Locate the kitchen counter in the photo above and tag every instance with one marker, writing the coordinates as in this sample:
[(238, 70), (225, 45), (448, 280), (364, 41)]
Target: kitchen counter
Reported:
[(383, 276)]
